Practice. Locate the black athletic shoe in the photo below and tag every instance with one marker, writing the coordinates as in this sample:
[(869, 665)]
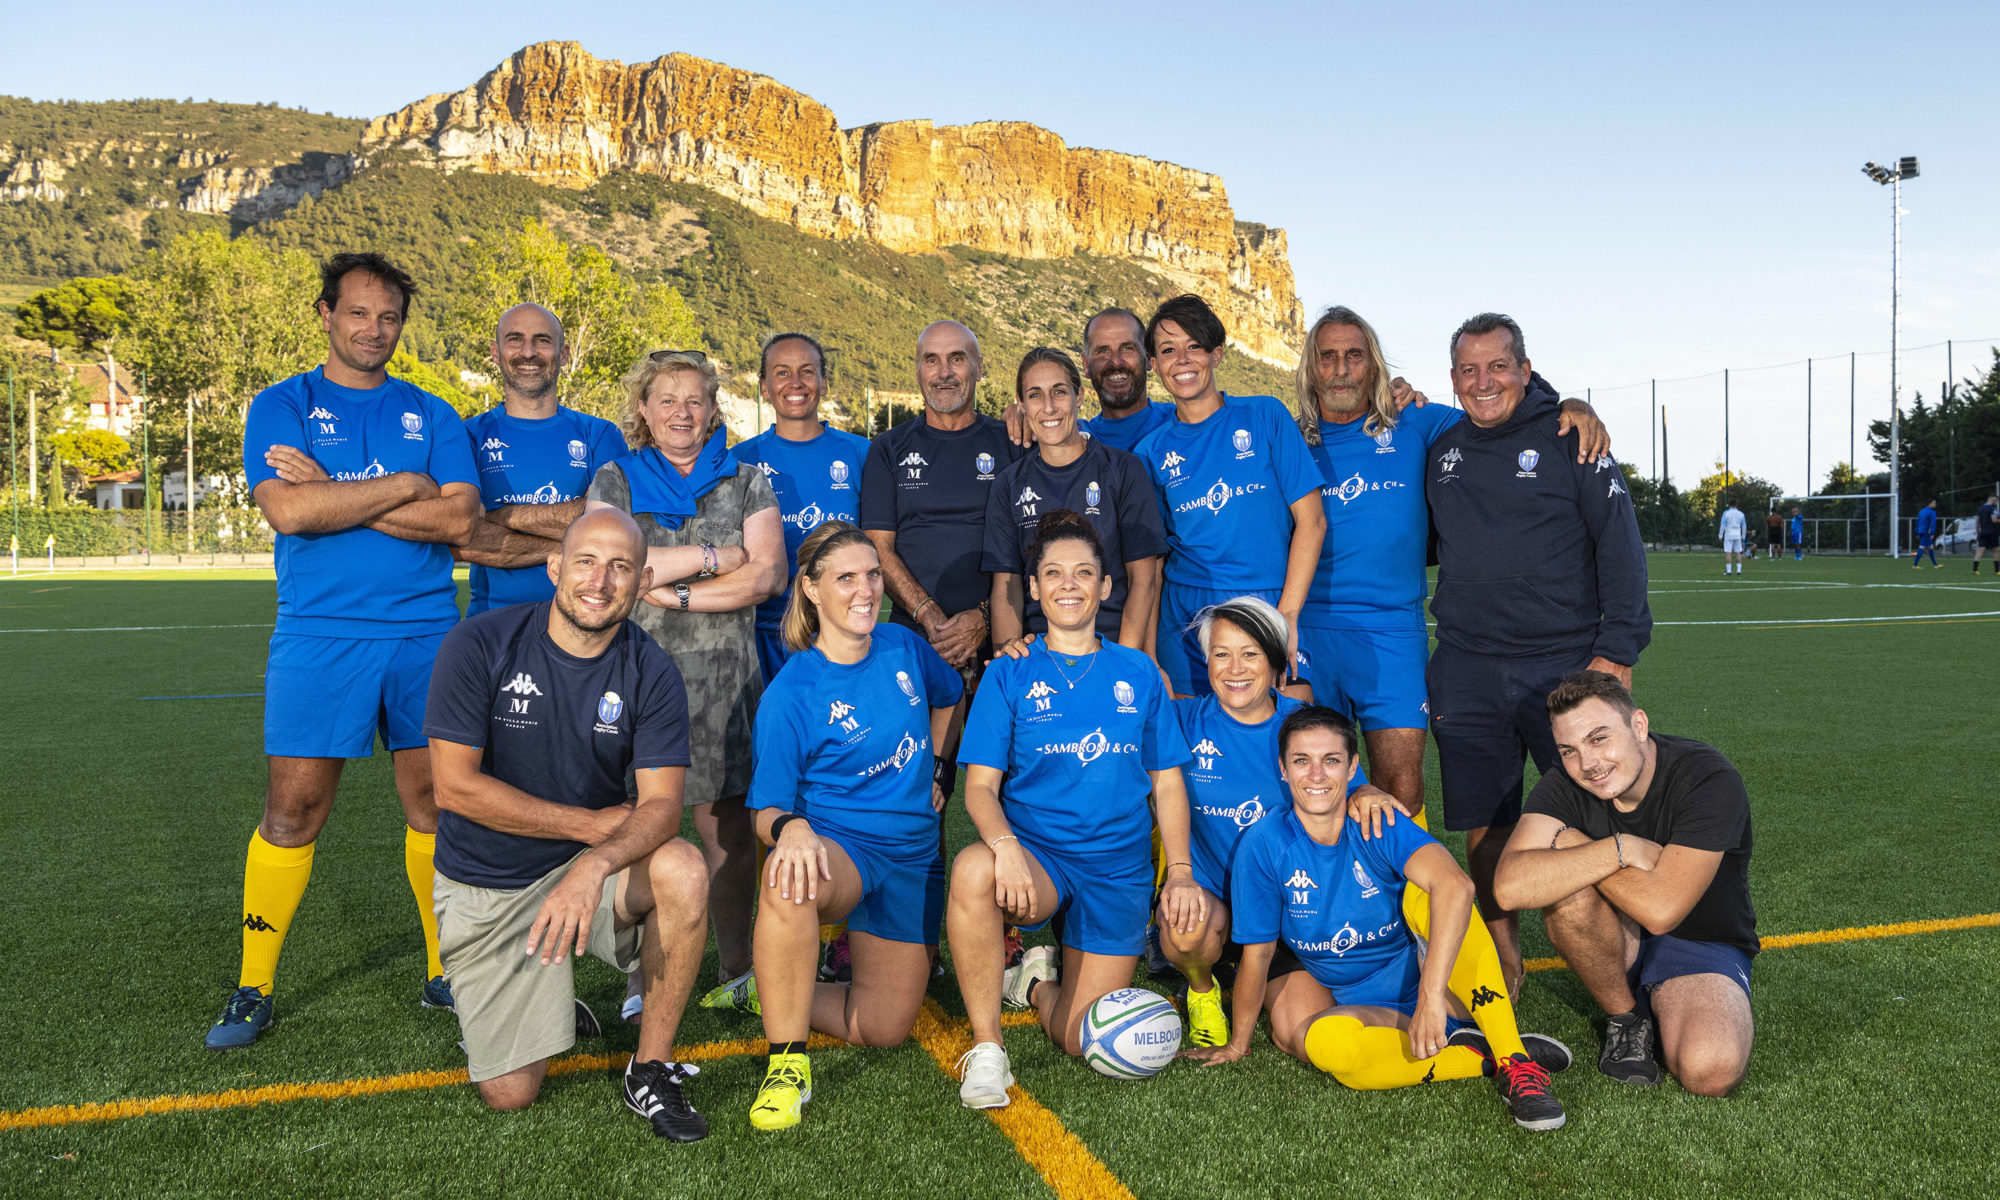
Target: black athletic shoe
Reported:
[(1524, 1085), (1628, 1050), (653, 1090), (1544, 1051), (586, 1022)]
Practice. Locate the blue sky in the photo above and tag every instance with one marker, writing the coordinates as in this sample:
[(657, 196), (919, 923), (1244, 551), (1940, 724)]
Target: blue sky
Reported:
[(1653, 191)]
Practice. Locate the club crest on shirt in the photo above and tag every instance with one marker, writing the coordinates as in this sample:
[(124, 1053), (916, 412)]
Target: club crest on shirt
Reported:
[(1527, 459), (1384, 442), (985, 464), (1368, 887), (837, 471), (577, 452), (1092, 494), (609, 708), (909, 689), (1123, 693), (1241, 440), (413, 426)]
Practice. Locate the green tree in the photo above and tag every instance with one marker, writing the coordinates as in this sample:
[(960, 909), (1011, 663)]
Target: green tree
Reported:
[(439, 381), (82, 314), (1713, 494), (94, 451), (608, 320), (214, 322)]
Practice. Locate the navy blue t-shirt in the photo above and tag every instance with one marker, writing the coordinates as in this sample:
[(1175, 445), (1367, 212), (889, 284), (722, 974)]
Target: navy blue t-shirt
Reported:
[(1109, 488), (521, 461), (929, 486), (560, 728), (360, 582)]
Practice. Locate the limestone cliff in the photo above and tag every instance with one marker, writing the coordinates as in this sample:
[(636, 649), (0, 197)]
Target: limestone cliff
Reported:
[(556, 114), (252, 194)]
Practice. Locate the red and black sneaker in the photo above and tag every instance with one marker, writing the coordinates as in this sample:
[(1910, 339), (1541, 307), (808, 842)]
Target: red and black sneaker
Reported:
[(837, 966), (1013, 947), (1524, 1085)]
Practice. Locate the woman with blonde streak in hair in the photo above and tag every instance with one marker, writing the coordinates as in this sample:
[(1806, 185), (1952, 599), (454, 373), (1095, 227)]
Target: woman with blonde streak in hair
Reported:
[(717, 548), (845, 798)]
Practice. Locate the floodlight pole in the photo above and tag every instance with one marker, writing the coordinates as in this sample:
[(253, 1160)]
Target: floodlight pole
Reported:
[(13, 467), (1895, 399)]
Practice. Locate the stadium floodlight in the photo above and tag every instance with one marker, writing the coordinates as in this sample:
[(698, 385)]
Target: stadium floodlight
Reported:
[(1892, 178)]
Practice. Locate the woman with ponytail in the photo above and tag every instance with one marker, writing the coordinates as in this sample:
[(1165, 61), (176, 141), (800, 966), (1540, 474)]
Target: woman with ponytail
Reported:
[(845, 797)]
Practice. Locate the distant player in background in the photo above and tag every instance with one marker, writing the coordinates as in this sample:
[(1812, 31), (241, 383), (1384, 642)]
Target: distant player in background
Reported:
[(1986, 529), (1638, 854), (1927, 526), (813, 468), (1378, 983), (536, 459), (1774, 533), (1798, 535), (1734, 529), (368, 483)]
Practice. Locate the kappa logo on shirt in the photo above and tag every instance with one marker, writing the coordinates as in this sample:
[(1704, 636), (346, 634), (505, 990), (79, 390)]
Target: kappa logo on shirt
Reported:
[(1172, 464), (1027, 501), (842, 714), (1368, 887), (1040, 694), (326, 420), (770, 472), (1300, 884), (1205, 753), (915, 462), (1447, 462), (522, 688), (1615, 490)]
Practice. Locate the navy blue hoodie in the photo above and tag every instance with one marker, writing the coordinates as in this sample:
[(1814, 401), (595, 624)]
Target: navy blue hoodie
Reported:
[(1537, 555)]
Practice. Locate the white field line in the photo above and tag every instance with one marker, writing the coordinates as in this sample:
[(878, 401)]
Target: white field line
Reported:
[(135, 628), (1835, 620)]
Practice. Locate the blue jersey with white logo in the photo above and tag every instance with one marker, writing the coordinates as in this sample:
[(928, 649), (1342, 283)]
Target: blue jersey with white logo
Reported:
[(1233, 781), (1371, 565), (1077, 739), (848, 746), (549, 460), (560, 728), (814, 481), (1226, 484), (1125, 433), (1108, 488), (1339, 907), (360, 582), (929, 486)]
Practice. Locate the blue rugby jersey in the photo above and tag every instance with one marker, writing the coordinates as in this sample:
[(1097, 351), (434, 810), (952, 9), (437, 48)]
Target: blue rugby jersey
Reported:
[(360, 582), (549, 460), (1125, 433), (1371, 565), (814, 481)]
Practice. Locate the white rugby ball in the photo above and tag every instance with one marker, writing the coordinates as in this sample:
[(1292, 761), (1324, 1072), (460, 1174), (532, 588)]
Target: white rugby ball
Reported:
[(1131, 1034)]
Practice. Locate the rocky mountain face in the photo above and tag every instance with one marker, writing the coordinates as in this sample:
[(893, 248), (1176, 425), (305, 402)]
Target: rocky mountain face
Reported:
[(555, 113)]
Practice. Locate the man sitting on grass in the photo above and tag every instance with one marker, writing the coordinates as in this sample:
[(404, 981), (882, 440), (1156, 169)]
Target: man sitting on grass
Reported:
[(1638, 853), (536, 712)]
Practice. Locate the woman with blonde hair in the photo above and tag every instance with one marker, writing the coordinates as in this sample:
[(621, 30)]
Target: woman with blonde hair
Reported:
[(717, 548), (846, 798)]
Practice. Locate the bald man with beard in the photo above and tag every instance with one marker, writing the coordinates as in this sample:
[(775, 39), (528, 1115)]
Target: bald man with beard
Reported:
[(536, 459)]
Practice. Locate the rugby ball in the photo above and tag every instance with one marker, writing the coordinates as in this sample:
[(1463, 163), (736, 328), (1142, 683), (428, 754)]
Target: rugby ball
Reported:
[(1131, 1034)]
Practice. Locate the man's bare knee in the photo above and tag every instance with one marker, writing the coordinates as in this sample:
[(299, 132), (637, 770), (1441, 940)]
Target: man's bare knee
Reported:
[(679, 880), (513, 1091), (1707, 1069)]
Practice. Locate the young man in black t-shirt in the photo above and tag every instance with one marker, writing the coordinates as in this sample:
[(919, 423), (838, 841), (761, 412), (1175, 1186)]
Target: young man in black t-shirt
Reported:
[(1638, 853), (536, 711)]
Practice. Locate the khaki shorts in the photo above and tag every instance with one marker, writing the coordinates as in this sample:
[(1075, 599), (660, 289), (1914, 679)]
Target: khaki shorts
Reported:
[(513, 1010)]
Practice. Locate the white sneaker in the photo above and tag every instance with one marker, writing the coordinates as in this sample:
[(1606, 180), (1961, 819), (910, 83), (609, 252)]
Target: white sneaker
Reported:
[(986, 1076), (1038, 964)]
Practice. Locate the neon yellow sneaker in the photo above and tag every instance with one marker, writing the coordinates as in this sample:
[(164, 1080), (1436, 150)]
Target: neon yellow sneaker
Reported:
[(1208, 1025), (739, 993), (781, 1099)]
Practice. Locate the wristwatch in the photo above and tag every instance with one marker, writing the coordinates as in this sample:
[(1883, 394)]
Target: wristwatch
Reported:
[(681, 590)]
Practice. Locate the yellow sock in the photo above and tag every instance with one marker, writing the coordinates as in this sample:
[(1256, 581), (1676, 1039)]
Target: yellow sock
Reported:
[(418, 851), (1476, 978), (274, 881), (1371, 1058), (1423, 819)]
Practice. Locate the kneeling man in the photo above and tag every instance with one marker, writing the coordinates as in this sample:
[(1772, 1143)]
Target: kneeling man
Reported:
[(1638, 853), (536, 711)]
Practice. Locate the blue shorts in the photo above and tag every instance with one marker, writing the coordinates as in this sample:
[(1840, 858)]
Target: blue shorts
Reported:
[(902, 898), (1104, 902), (1488, 714), (1374, 676), (330, 697), (771, 653), (1662, 956), (1177, 647)]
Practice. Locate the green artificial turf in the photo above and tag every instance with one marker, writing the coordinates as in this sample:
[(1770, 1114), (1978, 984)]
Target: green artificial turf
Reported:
[(126, 819)]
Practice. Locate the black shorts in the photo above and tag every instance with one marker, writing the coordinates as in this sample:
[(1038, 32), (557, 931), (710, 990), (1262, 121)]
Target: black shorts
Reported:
[(1989, 541), (1283, 962), (1488, 714)]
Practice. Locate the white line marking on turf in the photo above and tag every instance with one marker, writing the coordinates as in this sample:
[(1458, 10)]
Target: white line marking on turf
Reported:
[(145, 629), (1833, 620)]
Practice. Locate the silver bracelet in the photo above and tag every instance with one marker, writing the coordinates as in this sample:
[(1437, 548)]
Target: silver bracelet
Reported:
[(1618, 844), (1558, 837), (1005, 837)]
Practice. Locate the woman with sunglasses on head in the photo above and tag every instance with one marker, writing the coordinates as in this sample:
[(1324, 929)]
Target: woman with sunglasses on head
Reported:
[(717, 548), (1061, 749), (847, 799)]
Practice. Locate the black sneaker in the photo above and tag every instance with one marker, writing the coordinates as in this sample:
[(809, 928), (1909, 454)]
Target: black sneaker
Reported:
[(1524, 1085), (586, 1022), (1628, 1050), (1544, 1051), (653, 1090)]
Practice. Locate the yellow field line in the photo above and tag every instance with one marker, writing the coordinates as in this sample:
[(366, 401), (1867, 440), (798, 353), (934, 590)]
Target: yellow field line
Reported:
[(1853, 933), (1038, 1128), (1064, 1162)]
